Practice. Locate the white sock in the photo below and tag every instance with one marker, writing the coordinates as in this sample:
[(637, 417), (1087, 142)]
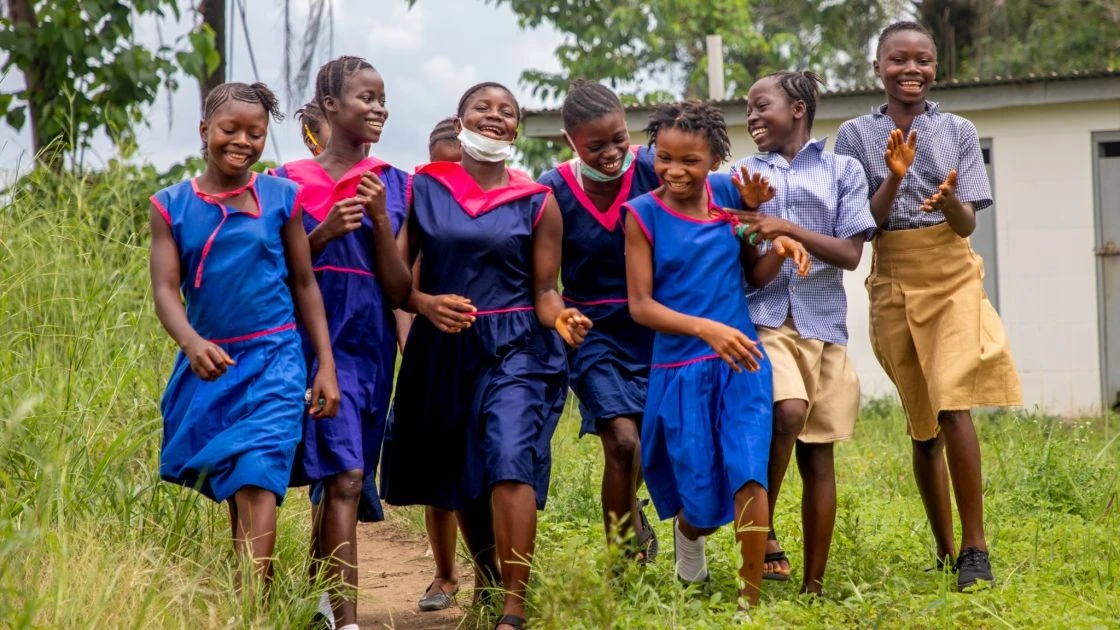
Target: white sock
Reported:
[(325, 608), (692, 564)]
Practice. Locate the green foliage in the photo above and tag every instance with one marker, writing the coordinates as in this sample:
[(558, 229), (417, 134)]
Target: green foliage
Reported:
[(83, 70)]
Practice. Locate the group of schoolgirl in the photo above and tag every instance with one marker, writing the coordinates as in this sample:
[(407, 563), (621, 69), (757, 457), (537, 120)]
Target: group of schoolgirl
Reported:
[(703, 312)]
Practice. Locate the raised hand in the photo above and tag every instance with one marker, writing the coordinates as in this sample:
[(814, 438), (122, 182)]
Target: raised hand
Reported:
[(208, 360), (734, 347), (900, 153), (946, 192), (371, 190), (572, 326), (449, 313), (786, 247), (754, 190)]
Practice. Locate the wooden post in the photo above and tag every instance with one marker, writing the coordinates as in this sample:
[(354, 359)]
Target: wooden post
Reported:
[(715, 67)]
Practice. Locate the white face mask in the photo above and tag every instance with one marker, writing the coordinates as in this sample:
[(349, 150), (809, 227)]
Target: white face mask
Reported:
[(484, 149)]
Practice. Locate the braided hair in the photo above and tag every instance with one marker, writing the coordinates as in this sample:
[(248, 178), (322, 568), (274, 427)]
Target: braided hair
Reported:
[(462, 109), (255, 93), (311, 119), (800, 85), (587, 101), (332, 77), (692, 116), (898, 27), (444, 130)]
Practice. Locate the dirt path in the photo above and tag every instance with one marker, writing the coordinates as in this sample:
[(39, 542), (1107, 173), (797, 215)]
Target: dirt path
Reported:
[(394, 568)]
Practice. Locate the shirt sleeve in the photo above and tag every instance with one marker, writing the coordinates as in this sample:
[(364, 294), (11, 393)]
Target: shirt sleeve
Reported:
[(972, 176), (853, 216)]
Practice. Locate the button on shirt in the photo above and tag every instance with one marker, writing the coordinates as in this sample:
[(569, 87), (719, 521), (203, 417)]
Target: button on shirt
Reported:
[(825, 193), (945, 141)]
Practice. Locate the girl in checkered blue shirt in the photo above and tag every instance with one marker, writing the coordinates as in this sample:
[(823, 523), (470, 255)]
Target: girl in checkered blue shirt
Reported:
[(932, 327)]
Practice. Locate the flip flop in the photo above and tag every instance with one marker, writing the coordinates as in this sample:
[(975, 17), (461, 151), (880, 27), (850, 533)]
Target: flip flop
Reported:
[(438, 600), (511, 620), (646, 536), (775, 556)]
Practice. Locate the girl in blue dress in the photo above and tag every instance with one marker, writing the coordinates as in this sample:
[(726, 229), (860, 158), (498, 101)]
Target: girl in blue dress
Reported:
[(230, 243), (355, 207), (610, 368), (707, 422), (482, 383)]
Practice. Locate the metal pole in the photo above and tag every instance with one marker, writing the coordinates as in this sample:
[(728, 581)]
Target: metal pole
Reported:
[(715, 67)]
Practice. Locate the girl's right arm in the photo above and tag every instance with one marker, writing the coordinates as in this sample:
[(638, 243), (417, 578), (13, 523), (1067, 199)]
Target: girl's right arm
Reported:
[(899, 157), (734, 347), (344, 217), (208, 360), (449, 313)]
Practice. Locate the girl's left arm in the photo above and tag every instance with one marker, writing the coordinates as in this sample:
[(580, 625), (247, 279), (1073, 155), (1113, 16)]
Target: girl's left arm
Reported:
[(309, 305), (547, 246)]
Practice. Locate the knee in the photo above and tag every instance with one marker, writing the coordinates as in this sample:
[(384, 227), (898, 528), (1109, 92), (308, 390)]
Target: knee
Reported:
[(345, 486), (789, 418), (928, 448), (622, 446)]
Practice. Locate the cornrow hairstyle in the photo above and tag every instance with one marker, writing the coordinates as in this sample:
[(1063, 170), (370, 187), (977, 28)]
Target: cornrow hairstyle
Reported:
[(311, 119), (587, 101), (692, 116), (444, 130), (255, 93), (899, 27), (462, 109), (332, 76), (800, 85)]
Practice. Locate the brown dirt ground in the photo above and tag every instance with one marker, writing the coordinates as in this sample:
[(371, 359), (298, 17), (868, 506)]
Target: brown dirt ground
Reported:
[(394, 567)]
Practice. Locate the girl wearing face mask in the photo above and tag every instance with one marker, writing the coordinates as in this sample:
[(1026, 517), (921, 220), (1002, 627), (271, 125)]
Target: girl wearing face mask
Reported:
[(610, 368), (483, 382)]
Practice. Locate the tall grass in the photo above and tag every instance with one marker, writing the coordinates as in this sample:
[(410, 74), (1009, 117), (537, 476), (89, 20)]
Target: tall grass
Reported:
[(90, 537)]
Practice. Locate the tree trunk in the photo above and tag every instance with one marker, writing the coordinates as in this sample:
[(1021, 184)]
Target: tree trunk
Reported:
[(21, 12), (214, 14)]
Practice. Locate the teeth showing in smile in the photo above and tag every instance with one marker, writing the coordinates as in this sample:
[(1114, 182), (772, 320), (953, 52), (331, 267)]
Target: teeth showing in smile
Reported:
[(911, 84), (757, 131), (237, 157), (490, 129), (677, 186), (376, 124), (610, 167)]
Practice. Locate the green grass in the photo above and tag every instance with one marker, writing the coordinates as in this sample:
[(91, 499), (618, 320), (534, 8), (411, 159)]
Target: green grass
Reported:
[(90, 537)]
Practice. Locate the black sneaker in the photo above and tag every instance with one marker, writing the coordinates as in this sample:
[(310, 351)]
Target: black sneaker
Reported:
[(973, 566)]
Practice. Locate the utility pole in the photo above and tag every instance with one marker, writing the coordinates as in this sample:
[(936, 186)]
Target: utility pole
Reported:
[(715, 67)]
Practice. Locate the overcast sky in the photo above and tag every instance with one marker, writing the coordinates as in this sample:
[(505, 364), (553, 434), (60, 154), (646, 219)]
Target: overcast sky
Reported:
[(427, 55)]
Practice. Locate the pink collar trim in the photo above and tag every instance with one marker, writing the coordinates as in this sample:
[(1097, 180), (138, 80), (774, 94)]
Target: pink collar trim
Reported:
[(470, 197), (309, 173), (608, 218), (713, 208), (217, 198)]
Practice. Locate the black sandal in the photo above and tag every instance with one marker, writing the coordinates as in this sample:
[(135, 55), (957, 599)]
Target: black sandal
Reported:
[(646, 536), (511, 620), (775, 556)]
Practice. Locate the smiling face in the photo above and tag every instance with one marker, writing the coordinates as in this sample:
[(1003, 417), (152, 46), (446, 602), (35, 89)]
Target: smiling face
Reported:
[(359, 112), (491, 112), (683, 161), (602, 143), (907, 64), (234, 136), (772, 118)]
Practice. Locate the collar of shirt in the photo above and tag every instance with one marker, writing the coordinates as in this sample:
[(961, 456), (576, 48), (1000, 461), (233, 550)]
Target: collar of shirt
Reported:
[(812, 150), (931, 108)]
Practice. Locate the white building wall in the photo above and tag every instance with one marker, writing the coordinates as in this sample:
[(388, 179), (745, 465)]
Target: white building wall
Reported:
[(1042, 156)]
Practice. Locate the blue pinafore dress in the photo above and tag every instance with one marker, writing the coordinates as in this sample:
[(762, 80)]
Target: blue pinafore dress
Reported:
[(610, 368), (361, 323), (706, 430), (242, 428), (480, 406)]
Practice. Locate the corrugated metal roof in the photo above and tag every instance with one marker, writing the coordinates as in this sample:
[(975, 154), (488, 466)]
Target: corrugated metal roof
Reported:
[(953, 84)]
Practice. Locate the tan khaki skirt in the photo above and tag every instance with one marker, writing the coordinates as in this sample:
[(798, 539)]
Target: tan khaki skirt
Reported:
[(934, 330)]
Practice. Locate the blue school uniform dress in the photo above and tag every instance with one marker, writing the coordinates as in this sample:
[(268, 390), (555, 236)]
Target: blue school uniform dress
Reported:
[(610, 368), (706, 430), (241, 429), (361, 323), (480, 406)]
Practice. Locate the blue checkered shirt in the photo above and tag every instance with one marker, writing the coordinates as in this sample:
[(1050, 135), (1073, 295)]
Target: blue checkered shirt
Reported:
[(945, 141), (825, 193)]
